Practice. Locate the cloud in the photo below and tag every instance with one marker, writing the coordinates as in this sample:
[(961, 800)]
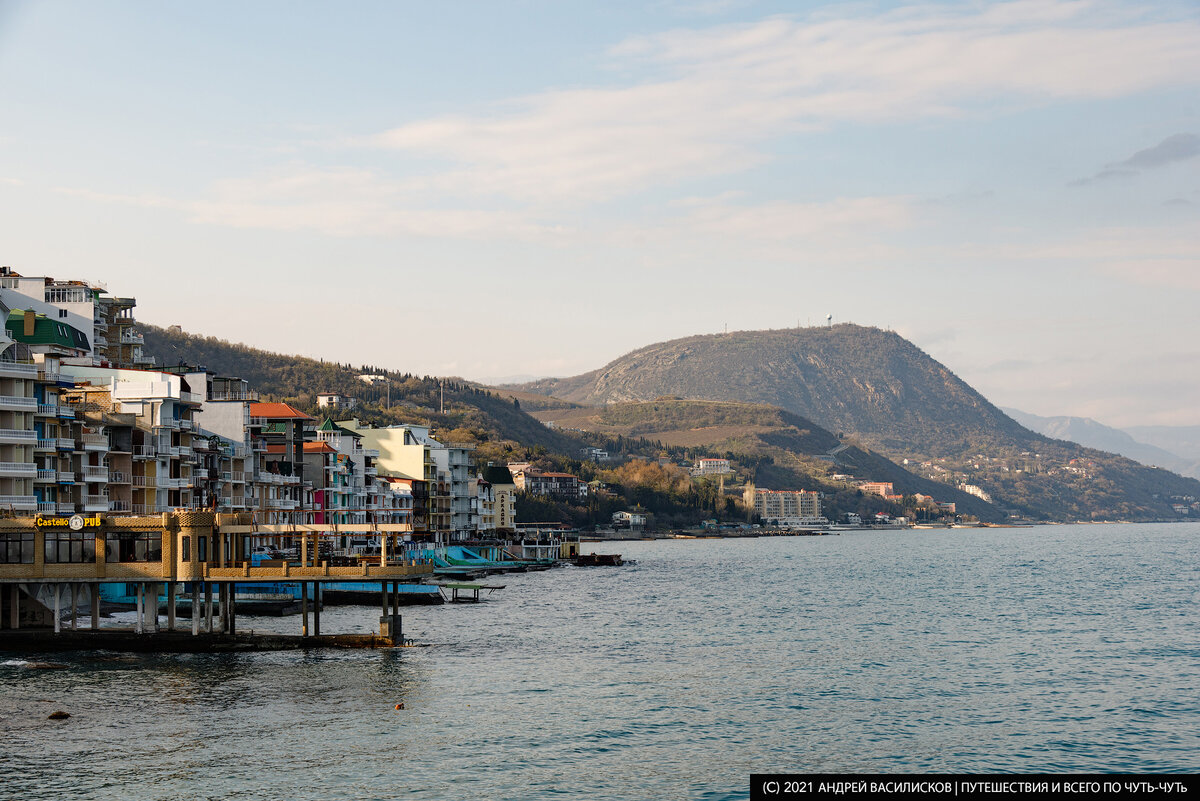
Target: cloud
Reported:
[(713, 96), (334, 202), (1174, 148), (1177, 147)]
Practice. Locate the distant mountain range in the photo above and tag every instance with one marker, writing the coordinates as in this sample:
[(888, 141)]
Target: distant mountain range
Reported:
[(1086, 431), (890, 396)]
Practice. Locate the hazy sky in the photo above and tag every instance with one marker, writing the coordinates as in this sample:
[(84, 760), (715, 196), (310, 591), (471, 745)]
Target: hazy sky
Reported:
[(534, 188)]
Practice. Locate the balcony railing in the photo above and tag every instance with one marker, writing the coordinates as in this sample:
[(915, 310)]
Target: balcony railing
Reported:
[(18, 469), (118, 477), (95, 503), (145, 451), (147, 509), (93, 441), (45, 445), (47, 475), (26, 503), (94, 474), (17, 435), (47, 506), (20, 369), (119, 506), (66, 444), (191, 397), (17, 402), (47, 409)]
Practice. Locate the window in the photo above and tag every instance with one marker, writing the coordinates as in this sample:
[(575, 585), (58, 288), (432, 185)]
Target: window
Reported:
[(70, 546), (16, 547), (62, 312), (135, 546)]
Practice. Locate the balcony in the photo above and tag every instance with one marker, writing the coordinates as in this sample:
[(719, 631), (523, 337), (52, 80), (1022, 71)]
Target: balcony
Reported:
[(95, 503), (47, 410), (18, 469), (66, 477), (144, 359), (50, 476), (66, 412), (93, 442), (130, 338), (19, 435), (18, 370), (20, 503), (191, 397), (49, 376), (94, 475), (47, 506), (186, 425), (18, 402), (169, 422), (119, 506), (147, 509), (145, 452), (66, 444), (45, 445), (118, 477), (237, 477)]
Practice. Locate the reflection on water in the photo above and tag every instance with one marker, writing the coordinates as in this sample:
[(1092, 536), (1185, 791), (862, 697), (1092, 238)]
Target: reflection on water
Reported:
[(1049, 649)]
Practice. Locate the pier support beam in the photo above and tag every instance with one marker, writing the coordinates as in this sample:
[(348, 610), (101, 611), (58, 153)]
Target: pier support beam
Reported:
[(152, 608), (208, 611), (14, 609), (95, 607), (141, 614), (195, 609), (57, 608), (317, 608), (74, 607), (232, 609), (171, 606), (304, 608)]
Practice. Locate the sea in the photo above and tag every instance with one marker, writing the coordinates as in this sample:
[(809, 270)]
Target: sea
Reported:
[(1061, 649)]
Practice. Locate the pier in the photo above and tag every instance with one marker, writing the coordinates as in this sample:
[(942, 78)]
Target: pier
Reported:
[(49, 565)]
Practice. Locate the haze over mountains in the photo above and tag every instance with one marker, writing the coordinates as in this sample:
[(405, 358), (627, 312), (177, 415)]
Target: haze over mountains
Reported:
[(1086, 431), (886, 393)]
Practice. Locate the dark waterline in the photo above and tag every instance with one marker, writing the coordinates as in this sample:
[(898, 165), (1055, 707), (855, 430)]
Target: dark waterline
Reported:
[(1061, 649)]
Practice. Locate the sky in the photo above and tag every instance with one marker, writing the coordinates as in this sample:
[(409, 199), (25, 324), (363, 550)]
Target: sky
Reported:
[(499, 190)]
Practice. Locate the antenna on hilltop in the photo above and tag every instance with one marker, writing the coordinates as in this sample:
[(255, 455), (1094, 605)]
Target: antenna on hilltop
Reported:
[(829, 320)]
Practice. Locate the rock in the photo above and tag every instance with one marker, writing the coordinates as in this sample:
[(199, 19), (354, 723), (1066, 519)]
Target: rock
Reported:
[(59, 715)]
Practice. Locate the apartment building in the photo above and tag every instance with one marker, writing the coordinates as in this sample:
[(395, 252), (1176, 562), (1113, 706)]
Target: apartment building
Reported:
[(785, 508)]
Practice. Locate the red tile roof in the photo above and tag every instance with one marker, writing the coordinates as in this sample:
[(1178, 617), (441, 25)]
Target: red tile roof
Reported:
[(319, 447), (277, 411)]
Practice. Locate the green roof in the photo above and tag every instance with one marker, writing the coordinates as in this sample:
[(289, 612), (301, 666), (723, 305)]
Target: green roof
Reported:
[(329, 425), (45, 331)]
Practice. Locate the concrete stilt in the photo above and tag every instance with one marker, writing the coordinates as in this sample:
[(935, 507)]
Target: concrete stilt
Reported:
[(141, 615), (208, 607), (304, 608), (232, 610), (152, 608), (95, 606), (74, 607), (317, 608), (171, 607), (14, 609), (195, 608), (57, 608)]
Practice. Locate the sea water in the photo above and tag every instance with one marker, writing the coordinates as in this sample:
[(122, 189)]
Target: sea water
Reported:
[(1056, 648)]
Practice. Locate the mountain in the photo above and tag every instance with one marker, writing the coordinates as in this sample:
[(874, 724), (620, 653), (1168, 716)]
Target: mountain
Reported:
[(1086, 431), (895, 399), (847, 378), (1181, 440)]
